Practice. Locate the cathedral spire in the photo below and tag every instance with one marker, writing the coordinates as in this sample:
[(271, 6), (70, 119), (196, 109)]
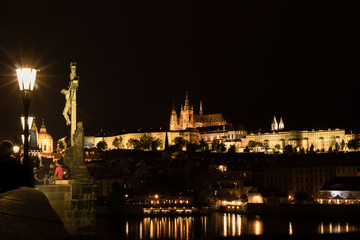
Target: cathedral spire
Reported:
[(201, 109), (274, 125), (281, 124), (43, 127), (34, 124), (187, 103), (173, 119)]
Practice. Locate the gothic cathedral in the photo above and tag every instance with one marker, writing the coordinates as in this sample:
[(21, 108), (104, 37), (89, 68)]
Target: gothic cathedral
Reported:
[(188, 119)]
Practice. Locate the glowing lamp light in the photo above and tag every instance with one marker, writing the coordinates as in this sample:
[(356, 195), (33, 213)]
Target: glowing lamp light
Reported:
[(26, 78), (257, 199), (30, 121), (16, 149)]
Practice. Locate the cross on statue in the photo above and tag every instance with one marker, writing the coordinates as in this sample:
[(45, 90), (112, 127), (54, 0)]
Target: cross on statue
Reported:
[(70, 97)]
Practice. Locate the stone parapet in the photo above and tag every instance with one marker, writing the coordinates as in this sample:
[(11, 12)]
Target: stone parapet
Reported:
[(26, 213), (74, 202)]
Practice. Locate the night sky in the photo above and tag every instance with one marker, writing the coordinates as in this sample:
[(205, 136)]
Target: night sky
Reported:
[(249, 60)]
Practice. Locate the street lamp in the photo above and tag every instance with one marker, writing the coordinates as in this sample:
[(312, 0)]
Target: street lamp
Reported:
[(26, 78), (30, 121)]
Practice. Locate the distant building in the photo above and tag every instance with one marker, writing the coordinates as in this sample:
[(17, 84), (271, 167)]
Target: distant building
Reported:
[(340, 190), (187, 118), (303, 140), (45, 140), (41, 142), (196, 127), (299, 174)]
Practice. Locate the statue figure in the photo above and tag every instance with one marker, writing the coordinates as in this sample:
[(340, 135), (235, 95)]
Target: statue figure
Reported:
[(79, 145), (70, 96), (67, 107), (73, 70), (74, 156)]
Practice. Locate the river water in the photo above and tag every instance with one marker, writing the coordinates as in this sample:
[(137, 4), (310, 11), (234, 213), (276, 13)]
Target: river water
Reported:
[(218, 225)]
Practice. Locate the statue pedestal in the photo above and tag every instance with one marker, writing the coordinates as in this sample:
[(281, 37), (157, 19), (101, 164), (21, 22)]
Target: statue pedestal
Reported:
[(78, 172)]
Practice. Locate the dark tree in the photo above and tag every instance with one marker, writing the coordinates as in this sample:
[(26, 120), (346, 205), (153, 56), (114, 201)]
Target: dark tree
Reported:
[(192, 147), (354, 144), (246, 150), (288, 149), (217, 146), (231, 149), (116, 143), (180, 143), (156, 144), (134, 143), (203, 146), (102, 145), (311, 150), (146, 141)]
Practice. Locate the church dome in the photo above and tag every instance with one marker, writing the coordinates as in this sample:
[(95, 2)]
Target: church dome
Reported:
[(45, 140)]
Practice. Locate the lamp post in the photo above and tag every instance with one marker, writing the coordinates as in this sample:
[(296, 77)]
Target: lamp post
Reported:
[(30, 121), (26, 78)]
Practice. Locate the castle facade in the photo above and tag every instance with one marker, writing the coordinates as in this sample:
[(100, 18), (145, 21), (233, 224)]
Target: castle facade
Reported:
[(196, 127)]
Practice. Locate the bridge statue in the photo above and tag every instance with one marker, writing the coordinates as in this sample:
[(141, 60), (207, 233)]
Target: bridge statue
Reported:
[(74, 155), (70, 104)]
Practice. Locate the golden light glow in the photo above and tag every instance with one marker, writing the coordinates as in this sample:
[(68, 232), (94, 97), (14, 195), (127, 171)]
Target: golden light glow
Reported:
[(330, 228), (26, 78), (321, 228), (151, 229), (239, 224), (141, 230), (258, 227), (225, 225), (257, 199), (290, 229), (127, 228), (16, 149), (233, 225)]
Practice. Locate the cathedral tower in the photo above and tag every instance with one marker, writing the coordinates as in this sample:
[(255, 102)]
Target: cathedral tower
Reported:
[(186, 115), (173, 119), (201, 109), (281, 124), (187, 118), (45, 140), (274, 125), (33, 135)]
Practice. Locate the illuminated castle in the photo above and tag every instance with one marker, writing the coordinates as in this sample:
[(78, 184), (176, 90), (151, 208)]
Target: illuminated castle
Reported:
[(188, 119)]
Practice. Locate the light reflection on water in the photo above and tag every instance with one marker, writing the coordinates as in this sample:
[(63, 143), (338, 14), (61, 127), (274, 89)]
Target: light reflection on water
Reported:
[(217, 225)]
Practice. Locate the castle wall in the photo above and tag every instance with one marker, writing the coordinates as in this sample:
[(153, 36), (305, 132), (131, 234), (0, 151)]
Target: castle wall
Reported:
[(190, 136), (320, 139)]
